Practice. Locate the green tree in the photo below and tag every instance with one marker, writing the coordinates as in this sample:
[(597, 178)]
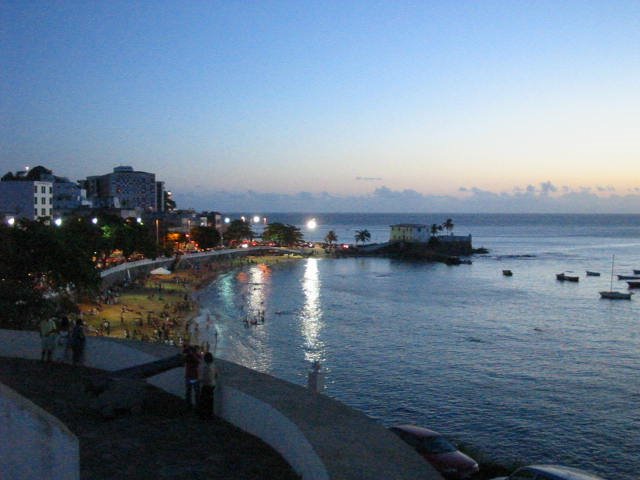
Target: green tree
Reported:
[(237, 231), (205, 237), (435, 229), (362, 236), (331, 237), (282, 234), (448, 225), (41, 268)]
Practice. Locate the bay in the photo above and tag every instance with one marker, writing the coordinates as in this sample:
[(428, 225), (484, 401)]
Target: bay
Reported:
[(523, 368)]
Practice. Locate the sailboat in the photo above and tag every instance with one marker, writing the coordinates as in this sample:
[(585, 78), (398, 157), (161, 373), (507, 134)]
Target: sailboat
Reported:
[(613, 294)]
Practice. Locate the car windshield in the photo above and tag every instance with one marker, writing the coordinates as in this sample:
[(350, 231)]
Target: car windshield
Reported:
[(437, 445)]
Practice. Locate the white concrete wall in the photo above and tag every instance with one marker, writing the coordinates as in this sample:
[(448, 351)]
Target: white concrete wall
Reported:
[(238, 408), (33, 443), (265, 422)]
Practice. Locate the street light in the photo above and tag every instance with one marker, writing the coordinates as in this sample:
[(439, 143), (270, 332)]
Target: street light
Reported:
[(58, 222), (11, 221), (94, 220), (312, 224)]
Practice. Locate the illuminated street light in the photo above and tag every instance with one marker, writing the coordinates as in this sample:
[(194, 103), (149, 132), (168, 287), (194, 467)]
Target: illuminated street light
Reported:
[(312, 224), (11, 221), (256, 219), (227, 220), (94, 220), (139, 220), (58, 222)]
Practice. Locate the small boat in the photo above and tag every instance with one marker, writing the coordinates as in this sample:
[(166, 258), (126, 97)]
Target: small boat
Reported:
[(507, 273), (628, 277), (612, 295), (592, 274), (563, 277), (634, 284), (636, 272)]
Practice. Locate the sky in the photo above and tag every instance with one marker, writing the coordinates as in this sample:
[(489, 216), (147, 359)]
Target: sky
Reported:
[(446, 106)]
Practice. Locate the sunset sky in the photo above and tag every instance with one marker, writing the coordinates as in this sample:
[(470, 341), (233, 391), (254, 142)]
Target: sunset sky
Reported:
[(396, 105)]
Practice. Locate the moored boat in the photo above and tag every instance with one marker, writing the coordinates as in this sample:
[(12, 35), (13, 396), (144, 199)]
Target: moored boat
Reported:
[(636, 272), (628, 277), (568, 278), (613, 295), (592, 274), (633, 284), (507, 273)]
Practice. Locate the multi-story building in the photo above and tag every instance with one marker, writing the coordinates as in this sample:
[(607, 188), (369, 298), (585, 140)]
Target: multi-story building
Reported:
[(68, 196), (126, 189), (27, 194)]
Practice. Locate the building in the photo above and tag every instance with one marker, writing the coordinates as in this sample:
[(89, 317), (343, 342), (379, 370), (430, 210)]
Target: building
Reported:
[(68, 196), (409, 232), (125, 188), (27, 194)]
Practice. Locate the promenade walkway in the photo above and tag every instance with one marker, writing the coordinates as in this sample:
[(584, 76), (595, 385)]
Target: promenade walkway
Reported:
[(166, 441)]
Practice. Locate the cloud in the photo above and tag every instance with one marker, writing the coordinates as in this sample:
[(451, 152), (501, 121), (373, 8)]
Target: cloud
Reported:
[(547, 187), (369, 179), (543, 199)]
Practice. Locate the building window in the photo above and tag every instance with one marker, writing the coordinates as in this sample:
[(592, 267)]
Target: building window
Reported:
[(50, 190), (35, 201), (43, 212), (43, 189), (35, 212)]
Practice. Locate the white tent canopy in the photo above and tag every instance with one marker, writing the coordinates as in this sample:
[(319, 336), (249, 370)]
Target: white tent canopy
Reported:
[(160, 271)]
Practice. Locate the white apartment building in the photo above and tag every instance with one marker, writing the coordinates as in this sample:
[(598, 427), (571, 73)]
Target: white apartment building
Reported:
[(26, 199)]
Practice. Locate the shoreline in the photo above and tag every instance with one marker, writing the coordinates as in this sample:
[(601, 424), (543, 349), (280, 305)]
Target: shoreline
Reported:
[(160, 308)]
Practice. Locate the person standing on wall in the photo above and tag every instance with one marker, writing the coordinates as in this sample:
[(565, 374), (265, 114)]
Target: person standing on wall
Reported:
[(191, 380), (77, 341), (208, 378), (48, 338)]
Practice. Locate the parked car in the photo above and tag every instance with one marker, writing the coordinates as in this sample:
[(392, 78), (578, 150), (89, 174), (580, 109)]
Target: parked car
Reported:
[(443, 455), (549, 472)]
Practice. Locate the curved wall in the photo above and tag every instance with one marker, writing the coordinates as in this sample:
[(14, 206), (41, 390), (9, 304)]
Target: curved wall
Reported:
[(34, 444), (320, 437)]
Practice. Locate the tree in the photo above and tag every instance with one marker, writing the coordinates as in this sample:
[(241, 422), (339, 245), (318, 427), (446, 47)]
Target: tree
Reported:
[(435, 229), (237, 231), (41, 268), (448, 225), (362, 236), (205, 237), (331, 237), (282, 234)]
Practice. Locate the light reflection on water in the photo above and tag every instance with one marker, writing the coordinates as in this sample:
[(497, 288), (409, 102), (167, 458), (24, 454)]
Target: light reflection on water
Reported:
[(311, 315)]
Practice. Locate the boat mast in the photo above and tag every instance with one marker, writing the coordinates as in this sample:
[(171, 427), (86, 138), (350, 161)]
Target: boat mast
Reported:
[(612, 260)]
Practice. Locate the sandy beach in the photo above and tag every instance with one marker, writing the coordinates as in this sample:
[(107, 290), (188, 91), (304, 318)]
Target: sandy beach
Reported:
[(159, 308)]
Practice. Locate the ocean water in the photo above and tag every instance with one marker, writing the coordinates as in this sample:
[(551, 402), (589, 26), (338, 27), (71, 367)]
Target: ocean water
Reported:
[(523, 368)]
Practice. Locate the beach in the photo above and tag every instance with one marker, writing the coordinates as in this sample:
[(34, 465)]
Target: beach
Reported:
[(160, 308)]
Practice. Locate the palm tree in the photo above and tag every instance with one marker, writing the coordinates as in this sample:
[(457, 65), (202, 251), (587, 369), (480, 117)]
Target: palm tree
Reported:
[(448, 225), (434, 229), (362, 236), (331, 237)]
